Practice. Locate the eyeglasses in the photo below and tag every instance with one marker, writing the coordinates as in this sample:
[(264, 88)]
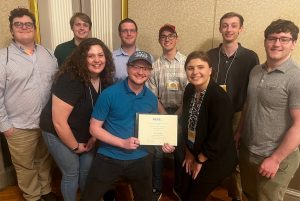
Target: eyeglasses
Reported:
[(170, 37), (138, 68), (282, 40), (128, 31), (19, 25)]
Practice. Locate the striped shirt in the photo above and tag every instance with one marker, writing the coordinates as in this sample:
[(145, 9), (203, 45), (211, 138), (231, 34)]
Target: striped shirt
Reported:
[(25, 82), (166, 73)]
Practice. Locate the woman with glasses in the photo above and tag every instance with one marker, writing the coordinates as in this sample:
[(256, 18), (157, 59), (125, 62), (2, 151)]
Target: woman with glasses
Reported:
[(65, 118), (207, 127)]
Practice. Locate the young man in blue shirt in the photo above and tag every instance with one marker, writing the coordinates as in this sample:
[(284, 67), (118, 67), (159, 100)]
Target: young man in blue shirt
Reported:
[(113, 123)]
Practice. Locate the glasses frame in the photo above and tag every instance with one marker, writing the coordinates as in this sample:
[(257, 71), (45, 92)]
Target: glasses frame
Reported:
[(20, 25), (138, 68), (282, 40), (169, 37)]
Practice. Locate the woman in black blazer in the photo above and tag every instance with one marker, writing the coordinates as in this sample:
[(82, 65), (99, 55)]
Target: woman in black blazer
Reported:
[(207, 127)]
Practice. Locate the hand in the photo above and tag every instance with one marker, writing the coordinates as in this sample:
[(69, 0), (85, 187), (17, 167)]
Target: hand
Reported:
[(196, 169), (237, 138), (188, 162), (131, 143), (269, 167), (167, 148), (81, 148), (9, 132), (90, 144)]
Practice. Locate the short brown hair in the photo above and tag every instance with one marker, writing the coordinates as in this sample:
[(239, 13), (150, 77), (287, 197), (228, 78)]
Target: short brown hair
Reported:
[(20, 12), (127, 20), (197, 55), (232, 14), (84, 17), (282, 25)]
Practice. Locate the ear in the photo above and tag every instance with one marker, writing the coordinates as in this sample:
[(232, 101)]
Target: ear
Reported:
[(241, 29)]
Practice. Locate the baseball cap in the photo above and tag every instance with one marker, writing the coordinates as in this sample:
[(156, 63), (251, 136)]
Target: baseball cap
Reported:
[(168, 27), (140, 55)]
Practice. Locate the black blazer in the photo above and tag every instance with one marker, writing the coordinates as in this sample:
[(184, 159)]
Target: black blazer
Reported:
[(214, 135)]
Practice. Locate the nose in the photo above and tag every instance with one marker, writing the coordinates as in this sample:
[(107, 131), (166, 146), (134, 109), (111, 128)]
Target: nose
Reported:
[(277, 42)]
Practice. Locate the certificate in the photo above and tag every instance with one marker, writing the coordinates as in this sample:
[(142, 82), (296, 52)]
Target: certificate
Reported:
[(156, 129)]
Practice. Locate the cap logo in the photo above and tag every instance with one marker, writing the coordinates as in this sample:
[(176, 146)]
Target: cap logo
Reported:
[(141, 54)]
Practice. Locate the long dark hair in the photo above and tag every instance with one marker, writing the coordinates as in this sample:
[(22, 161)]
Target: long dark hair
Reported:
[(76, 63)]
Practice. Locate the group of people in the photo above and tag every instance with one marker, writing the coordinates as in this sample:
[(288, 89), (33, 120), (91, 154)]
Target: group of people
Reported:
[(79, 106)]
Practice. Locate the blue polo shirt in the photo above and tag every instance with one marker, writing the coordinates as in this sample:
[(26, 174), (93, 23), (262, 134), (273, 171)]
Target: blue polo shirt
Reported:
[(117, 107)]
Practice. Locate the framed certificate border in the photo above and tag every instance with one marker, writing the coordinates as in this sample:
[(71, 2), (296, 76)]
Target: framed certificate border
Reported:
[(156, 129)]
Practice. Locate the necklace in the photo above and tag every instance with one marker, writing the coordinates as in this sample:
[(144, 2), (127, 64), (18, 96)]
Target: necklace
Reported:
[(219, 61)]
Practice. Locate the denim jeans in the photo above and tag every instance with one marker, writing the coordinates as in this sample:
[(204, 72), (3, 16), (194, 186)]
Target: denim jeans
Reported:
[(74, 167)]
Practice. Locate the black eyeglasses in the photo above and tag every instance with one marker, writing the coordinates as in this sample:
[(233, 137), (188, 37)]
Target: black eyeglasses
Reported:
[(282, 40), (138, 68), (19, 25), (170, 37)]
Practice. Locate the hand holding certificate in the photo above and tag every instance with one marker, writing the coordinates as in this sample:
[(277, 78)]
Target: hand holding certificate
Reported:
[(156, 129)]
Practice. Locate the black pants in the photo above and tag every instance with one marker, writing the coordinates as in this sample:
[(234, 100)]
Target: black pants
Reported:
[(105, 172)]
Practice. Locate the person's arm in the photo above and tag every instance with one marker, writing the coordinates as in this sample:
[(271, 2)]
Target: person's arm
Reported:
[(5, 126), (238, 131), (290, 142), (97, 130), (60, 114), (161, 109)]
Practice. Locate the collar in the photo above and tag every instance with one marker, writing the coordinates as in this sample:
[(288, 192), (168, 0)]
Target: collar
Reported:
[(284, 67), (128, 90), (177, 57), (22, 49), (120, 51), (239, 50)]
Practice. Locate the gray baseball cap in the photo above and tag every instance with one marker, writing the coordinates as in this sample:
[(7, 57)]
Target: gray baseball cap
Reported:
[(140, 55)]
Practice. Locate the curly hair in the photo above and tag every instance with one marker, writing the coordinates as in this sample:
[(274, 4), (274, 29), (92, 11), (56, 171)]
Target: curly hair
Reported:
[(20, 12), (76, 63)]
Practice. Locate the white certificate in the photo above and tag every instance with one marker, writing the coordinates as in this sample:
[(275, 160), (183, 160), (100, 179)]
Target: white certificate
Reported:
[(157, 129)]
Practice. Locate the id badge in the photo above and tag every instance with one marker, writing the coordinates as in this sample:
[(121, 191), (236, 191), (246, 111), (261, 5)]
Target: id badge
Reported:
[(172, 85), (224, 87), (191, 136)]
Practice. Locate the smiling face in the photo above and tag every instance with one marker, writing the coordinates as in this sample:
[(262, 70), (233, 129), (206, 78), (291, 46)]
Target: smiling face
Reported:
[(23, 30), (230, 28), (128, 34), (198, 73), (139, 72), (168, 41), (95, 60), (80, 29), (278, 47)]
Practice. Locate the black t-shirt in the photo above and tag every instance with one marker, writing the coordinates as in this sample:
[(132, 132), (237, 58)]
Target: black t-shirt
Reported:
[(81, 97), (235, 70)]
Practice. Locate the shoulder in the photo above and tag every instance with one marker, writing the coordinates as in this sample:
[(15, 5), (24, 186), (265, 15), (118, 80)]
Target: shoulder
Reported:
[(64, 44), (113, 89), (117, 52), (213, 51), (216, 93), (179, 56), (247, 52), (69, 79)]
